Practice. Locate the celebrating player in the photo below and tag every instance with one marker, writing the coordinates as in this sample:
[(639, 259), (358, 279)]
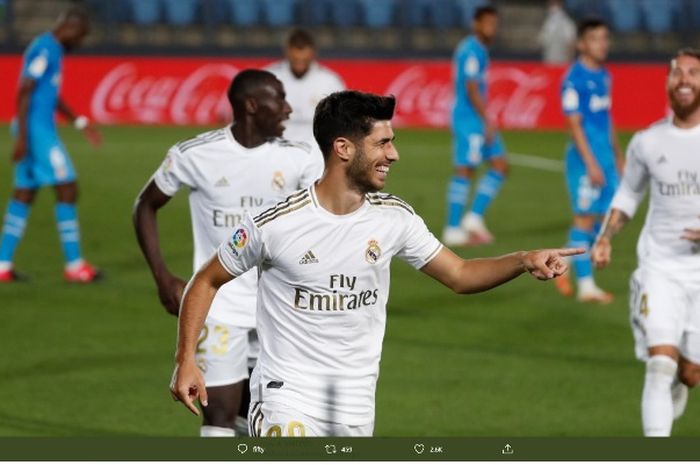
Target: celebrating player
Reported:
[(475, 137), (228, 171), (39, 156), (306, 82), (665, 288), (594, 159), (323, 256)]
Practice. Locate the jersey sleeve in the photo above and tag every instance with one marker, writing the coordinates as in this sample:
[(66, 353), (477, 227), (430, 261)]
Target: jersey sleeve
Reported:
[(419, 246), (472, 66), (36, 62), (243, 250), (635, 180), (570, 97), (174, 172)]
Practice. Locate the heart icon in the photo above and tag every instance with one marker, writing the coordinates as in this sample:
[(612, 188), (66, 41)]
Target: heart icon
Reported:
[(419, 448), (242, 448)]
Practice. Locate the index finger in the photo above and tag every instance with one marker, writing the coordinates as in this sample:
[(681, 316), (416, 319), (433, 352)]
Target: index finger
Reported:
[(188, 401), (569, 251)]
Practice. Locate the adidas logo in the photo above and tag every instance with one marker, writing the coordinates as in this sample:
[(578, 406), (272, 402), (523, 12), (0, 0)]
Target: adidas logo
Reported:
[(308, 257), (223, 182), (662, 159)]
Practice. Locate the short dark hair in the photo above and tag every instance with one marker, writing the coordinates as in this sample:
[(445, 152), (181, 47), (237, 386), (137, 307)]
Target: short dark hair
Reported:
[(485, 10), (586, 24), (74, 13), (245, 82), (350, 114), (688, 52), (300, 38)]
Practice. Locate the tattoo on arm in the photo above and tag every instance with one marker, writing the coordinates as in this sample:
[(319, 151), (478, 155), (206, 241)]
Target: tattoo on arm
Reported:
[(614, 221)]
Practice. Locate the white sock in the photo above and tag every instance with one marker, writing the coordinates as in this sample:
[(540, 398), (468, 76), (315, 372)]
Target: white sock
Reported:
[(5, 266), (75, 264), (241, 426), (657, 406), (679, 395), (216, 432), (587, 285)]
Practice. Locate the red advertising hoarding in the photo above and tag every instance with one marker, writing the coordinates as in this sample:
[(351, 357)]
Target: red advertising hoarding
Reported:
[(140, 90)]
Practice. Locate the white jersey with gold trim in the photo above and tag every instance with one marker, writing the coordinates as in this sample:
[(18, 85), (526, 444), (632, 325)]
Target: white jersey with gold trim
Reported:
[(303, 94), (664, 159), (322, 294), (226, 180)]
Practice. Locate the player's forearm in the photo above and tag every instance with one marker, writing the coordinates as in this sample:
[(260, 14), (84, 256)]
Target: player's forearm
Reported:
[(613, 223), (476, 100), (65, 110), (482, 274), (198, 297), (581, 144), (22, 113), (146, 227)]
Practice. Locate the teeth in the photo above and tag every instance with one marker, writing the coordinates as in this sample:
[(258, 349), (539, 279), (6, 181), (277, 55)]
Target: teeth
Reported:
[(685, 90), (383, 169)]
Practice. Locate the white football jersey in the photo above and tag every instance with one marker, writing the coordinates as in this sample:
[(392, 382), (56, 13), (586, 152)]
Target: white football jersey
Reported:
[(322, 294), (303, 94), (664, 159), (226, 180)]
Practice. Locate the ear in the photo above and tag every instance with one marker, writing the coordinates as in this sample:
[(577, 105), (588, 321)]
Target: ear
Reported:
[(251, 106), (343, 148)]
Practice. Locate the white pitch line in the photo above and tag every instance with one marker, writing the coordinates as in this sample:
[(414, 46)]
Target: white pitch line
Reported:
[(519, 159), (534, 161)]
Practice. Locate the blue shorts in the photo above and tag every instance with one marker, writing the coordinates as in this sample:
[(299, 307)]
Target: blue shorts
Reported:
[(585, 198), (46, 162), (470, 147)]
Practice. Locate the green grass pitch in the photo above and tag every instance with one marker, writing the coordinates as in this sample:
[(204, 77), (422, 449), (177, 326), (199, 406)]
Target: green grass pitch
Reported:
[(517, 361)]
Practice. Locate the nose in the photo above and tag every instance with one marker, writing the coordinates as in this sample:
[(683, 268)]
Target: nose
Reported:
[(287, 108), (392, 154)]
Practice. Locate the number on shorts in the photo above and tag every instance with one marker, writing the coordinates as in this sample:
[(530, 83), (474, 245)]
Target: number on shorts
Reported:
[(222, 346), (644, 305), (294, 429)]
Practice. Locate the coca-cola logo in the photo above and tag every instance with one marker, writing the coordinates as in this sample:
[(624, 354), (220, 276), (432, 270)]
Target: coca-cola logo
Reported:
[(129, 93), (516, 97)]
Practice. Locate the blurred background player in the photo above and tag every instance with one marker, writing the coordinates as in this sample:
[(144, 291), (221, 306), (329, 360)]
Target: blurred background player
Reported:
[(229, 171), (39, 156), (593, 158), (557, 35), (306, 82), (475, 138), (665, 288)]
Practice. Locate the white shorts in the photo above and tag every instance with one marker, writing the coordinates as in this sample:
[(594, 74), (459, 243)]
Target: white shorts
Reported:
[(665, 310), (224, 352), (272, 419)]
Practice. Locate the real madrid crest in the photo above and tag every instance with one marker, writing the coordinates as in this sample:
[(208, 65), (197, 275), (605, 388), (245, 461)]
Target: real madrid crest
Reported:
[(373, 252), (278, 181)]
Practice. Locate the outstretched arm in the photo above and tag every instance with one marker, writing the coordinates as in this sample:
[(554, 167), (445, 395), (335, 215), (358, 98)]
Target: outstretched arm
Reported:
[(481, 274), (187, 383), (170, 287)]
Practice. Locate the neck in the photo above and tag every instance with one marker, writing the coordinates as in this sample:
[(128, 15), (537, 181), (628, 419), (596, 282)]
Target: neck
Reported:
[(336, 194), (246, 135), (589, 62), (689, 122)]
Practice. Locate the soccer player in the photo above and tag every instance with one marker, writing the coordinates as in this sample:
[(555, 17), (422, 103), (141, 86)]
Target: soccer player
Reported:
[(323, 256), (593, 158), (306, 82), (39, 156), (665, 287), (475, 137), (228, 171)]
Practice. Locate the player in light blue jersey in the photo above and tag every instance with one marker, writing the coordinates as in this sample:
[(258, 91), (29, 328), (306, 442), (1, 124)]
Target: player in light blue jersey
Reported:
[(593, 158), (39, 156), (475, 138)]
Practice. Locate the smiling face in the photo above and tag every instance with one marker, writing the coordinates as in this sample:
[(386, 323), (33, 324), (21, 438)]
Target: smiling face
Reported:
[(374, 154), (272, 109), (683, 85)]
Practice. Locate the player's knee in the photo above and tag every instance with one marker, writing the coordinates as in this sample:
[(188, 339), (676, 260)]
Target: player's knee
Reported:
[(222, 414), (25, 196), (464, 172), (67, 193), (689, 374), (501, 166)]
